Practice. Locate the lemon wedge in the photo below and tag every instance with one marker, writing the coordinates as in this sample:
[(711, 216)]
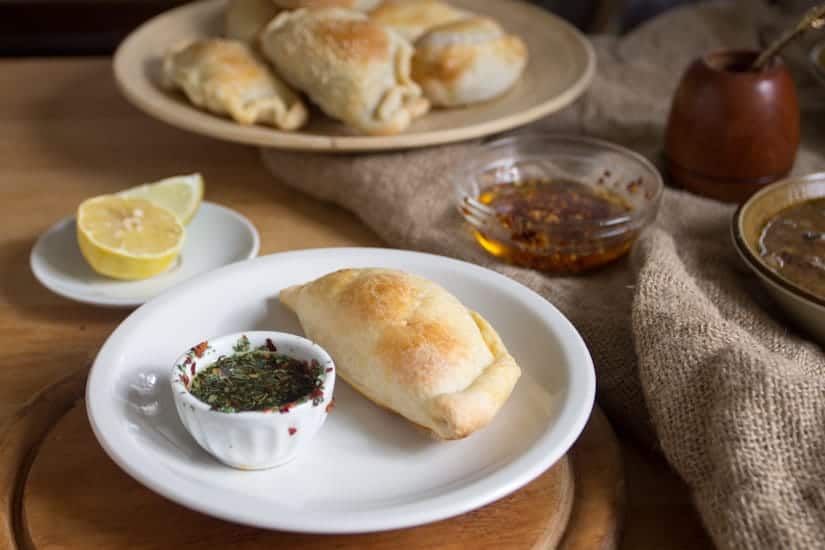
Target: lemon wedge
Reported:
[(128, 238), (180, 194)]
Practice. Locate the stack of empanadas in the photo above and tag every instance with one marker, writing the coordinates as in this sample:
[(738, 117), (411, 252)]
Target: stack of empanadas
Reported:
[(375, 66)]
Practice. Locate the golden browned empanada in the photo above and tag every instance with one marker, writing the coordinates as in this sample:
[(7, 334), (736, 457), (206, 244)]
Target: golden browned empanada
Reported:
[(408, 345), (244, 19), (412, 18), (467, 61), (225, 77), (355, 70)]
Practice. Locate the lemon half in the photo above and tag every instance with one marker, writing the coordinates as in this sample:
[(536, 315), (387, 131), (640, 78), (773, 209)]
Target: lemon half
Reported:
[(180, 194), (128, 238)]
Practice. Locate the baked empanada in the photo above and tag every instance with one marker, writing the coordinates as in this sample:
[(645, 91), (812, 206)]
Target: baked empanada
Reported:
[(358, 5), (225, 77), (467, 61), (355, 70), (408, 345), (244, 19), (412, 18)]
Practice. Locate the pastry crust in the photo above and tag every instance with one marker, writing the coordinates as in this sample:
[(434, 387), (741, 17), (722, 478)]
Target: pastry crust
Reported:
[(244, 19), (412, 18), (225, 77), (408, 345), (467, 61), (355, 70)]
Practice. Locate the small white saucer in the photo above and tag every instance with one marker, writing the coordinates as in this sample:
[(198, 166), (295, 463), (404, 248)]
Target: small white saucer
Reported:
[(217, 236)]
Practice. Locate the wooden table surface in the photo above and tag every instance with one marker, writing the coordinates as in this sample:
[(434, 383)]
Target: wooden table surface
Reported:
[(66, 134)]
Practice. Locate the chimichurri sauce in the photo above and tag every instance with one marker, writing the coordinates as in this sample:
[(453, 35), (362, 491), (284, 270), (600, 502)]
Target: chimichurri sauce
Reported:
[(258, 380)]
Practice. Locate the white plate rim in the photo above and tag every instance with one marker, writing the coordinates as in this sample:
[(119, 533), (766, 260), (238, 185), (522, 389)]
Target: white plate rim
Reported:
[(116, 302), (521, 471), (219, 128)]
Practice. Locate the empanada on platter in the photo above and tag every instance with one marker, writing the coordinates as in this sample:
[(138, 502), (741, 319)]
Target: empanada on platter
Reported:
[(355, 70), (226, 78), (467, 61), (409, 345)]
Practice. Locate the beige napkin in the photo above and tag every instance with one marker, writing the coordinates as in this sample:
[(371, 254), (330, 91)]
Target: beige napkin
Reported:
[(683, 338)]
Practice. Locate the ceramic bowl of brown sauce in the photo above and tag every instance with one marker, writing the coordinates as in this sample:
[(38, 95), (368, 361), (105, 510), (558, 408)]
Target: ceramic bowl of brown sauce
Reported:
[(557, 203), (780, 235)]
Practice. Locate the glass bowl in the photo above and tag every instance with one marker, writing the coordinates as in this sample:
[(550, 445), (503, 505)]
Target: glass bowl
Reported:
[(566, 243)]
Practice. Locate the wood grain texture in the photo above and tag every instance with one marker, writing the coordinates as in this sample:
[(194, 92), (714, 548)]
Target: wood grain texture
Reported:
[(72, 135), (21, 435), (599, 507), (561, 65), (97, 503), (72, 478)]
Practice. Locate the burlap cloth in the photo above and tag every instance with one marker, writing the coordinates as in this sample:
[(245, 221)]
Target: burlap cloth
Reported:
[(683, 338)]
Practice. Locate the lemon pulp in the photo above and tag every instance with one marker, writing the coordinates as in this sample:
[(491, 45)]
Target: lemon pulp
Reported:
[(128, 238)]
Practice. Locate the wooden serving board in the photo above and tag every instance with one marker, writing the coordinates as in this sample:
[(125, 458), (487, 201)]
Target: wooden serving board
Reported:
[(60, 490)]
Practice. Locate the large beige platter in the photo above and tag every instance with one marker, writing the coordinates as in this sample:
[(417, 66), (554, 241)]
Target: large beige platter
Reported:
[(562, 64)]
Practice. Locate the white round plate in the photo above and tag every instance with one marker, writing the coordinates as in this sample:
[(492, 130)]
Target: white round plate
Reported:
[(817, 62), (367, 469), (216, 236), (561, 66)]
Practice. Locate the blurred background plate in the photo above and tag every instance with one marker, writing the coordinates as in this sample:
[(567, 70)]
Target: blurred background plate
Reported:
[(562, 64)]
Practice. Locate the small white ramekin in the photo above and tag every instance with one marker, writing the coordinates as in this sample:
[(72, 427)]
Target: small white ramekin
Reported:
[(251, 440)]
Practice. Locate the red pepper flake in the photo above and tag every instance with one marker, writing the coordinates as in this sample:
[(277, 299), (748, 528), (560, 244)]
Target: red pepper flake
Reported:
[(293, 431), (329, 369), (193, 368), (187, 361), (285, 408), (270, 346), (316, 393), (330, 405), (200, 348), (185, 380)]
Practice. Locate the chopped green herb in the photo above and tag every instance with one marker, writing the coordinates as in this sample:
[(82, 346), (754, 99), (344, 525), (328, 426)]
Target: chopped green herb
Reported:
[(258, 380), (242, 344)]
